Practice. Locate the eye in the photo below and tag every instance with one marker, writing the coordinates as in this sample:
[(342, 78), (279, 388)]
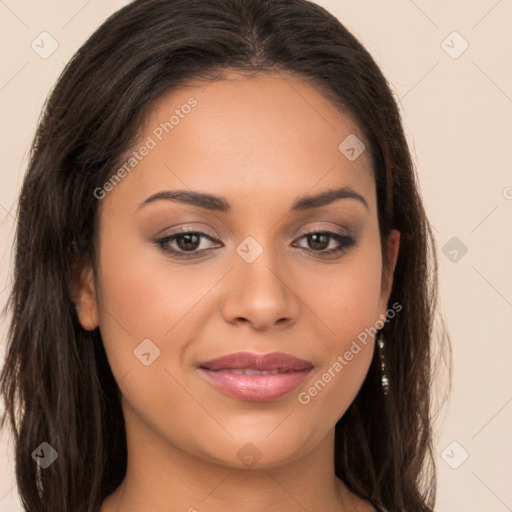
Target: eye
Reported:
[(318, 242), (188, 244)]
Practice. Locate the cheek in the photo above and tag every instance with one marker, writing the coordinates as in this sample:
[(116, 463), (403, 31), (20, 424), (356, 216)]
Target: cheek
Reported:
[(142, 291), (350, 309), (131, 299), (334, 387), (143, 296), (348, 297), (349, 305), (143, 314)]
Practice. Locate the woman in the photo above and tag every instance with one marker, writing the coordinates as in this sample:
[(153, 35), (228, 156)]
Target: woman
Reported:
[(224, 276)]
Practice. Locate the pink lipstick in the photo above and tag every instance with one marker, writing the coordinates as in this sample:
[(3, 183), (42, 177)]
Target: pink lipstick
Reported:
[(256, 377)]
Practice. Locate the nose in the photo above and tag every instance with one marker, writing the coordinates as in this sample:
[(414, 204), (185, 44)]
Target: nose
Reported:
[(261, 292)]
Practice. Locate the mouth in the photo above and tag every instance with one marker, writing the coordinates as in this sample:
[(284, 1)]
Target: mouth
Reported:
[(256, 377)]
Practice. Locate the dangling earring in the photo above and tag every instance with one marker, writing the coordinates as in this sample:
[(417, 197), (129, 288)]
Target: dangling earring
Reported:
[(385, 380)]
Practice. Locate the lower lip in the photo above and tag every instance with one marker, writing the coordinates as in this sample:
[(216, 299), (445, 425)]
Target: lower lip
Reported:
[(257, 388)]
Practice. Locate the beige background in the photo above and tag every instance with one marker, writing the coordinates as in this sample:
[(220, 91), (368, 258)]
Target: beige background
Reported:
[(457, 115)]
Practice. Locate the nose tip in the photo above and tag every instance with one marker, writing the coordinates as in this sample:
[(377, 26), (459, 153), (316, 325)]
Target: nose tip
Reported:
[(258, 295)]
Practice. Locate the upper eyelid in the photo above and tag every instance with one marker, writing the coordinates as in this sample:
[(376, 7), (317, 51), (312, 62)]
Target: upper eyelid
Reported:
[(212, 237)]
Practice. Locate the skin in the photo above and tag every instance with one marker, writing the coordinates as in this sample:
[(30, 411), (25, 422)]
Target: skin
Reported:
[(261, 143)]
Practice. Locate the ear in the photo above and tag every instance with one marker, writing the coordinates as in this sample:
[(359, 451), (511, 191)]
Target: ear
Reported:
[(85, 300), (392, 246)]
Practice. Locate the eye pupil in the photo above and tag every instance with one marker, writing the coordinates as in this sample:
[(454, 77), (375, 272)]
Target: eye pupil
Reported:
[(188, 237), (314, 239)]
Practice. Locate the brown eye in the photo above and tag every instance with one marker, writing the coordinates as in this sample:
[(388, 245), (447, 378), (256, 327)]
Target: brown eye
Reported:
[(318, 242), (184, 242), (190, 241)]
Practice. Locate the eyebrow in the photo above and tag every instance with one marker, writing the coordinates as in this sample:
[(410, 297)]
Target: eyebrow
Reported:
[(217, 203)]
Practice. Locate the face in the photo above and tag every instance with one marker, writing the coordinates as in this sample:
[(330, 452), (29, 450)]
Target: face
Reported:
[(250, 275)]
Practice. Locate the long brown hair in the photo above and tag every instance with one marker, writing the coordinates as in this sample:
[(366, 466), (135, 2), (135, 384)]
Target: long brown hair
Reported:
[(56, 381)]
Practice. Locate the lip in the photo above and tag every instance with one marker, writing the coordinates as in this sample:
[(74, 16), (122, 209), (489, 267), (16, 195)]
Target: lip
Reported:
[(239, 375)]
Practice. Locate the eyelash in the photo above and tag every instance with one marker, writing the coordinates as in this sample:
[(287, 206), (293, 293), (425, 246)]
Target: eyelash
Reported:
[(345, 242)]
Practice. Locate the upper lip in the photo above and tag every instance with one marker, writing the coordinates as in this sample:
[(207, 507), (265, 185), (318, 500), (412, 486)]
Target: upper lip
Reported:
[(263, 362)]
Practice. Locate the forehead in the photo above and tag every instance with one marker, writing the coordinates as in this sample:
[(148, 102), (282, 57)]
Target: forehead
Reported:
[(248, 138)]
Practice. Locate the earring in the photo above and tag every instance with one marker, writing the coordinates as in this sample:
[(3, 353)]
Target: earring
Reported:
[(385, 380)]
